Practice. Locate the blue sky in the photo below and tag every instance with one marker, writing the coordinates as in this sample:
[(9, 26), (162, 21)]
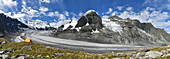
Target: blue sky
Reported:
[(59, 12)]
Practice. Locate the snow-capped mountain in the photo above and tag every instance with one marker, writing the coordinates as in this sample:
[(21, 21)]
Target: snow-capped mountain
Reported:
[(37, 24), (10, 27), (90, 27)]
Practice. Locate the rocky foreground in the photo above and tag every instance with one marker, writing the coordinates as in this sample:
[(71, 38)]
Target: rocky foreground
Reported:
[(23, 50)]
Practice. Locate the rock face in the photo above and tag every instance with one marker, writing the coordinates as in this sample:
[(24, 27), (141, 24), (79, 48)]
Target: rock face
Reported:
[(9, 26), (90, 27), (90, 18)]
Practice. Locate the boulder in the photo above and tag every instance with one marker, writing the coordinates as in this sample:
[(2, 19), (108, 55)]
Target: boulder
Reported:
[(22, 56), (120, 53), (2, 52), (27, 47), (140, 54), (4, 56), (154, 54), (39, 56), (0, 46), (4, 42)]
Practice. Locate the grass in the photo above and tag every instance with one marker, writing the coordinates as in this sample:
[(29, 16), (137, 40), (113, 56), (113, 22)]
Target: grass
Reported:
[(38, 49)]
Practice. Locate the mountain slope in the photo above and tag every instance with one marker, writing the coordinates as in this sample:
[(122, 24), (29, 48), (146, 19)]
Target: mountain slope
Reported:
[(90, 27), (10, 27)]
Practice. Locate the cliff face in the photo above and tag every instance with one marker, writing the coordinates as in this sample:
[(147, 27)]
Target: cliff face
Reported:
[(90, 27), (10, 27)]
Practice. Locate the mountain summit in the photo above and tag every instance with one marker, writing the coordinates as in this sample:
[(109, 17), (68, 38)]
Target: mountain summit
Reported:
[(91, 19)]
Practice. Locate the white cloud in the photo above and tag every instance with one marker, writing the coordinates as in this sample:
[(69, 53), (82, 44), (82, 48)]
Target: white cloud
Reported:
[(8, 13), (7, 3), (119, 7), (129, 8), (159, 4), (110, 10), (18, 15), (43, 9), (114, 13), (80, 14), (46, 1), (57, 14), (61, 16), (66, 13), (23, 2), (50, 14), (59, 23), (157, 18)]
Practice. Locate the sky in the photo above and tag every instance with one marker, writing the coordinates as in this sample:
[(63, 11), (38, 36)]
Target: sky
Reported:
[(58, 12)]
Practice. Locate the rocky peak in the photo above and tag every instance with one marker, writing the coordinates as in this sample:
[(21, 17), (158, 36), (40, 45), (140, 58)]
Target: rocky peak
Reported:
[(91, 12), (92, 18), (113, 18)]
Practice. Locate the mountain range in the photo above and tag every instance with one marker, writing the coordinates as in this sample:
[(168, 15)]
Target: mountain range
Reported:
[(92, 28), (115, 30)]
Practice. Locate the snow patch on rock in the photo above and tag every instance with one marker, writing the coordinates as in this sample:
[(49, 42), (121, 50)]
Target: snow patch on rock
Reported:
[(112, 25), (96, 31), (90, 11), (73, 23)]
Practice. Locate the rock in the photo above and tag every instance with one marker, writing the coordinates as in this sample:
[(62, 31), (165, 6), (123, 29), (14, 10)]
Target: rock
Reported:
[(133, 56), (140, 54), (164, 55), (47, 56), (4, 42), (90, 17), (4, 56), (145, 57), (128, 53), (33, 56), (120, 54), (2, 52), (58, 53), (27, 47), (39, 56), (47, 46), (81, 22), (13, 57), (164, 51), (0, 46), (8, 50), (22, 56), (106, 58), (144, 50), (153, 54), (168, 50), (118, 58)]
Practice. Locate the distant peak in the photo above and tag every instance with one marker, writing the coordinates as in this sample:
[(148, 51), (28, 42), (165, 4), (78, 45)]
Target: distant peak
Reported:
[(90, 11)]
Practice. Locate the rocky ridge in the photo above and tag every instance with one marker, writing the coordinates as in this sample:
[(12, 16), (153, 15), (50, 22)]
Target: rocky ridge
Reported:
[(10, 27)]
